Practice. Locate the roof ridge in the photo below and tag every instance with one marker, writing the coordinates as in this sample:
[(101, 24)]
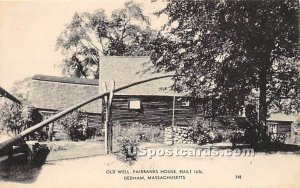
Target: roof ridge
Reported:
[(125, 57), (64, 79)]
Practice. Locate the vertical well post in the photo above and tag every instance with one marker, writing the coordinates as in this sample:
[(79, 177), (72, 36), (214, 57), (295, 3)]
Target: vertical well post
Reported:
[(104, 87), (108, 122), (109, 117), (173, 116), (50, 131)]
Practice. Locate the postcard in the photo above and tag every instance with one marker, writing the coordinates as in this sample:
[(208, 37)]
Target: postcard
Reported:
[(149, 93)]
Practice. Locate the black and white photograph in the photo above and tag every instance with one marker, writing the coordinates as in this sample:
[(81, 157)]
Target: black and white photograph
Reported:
[(150, 93)]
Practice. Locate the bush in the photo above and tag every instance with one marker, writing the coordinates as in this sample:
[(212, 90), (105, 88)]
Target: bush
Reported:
[(255, 133), (89, 132), (75, 125), (15, 118), (128, 149), (141, 132), (128, 136), (237, 137), (204, 132)]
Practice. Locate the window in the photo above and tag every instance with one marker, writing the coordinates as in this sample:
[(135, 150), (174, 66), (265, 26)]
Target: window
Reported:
[(135, 104), (273, 128), (185, 103)]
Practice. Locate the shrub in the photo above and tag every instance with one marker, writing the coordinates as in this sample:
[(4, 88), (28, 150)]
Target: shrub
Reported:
[(128, 149), (237, 137), (255, 133), (128, 136), (141, 132), (89, 132), (204, 132), (17, 117), (74, 125)]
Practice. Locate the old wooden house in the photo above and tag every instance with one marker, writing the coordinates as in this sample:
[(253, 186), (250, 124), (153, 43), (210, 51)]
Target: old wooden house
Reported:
[(153, 102)]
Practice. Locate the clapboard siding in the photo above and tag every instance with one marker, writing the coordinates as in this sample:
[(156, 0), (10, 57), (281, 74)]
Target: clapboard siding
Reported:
[(95, 120), (284, 127), (155, 110)]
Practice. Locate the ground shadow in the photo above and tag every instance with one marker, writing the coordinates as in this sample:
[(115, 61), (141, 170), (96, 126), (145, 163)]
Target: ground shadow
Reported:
[(18, 170), (279, 147), (73, 158), (269, 148)]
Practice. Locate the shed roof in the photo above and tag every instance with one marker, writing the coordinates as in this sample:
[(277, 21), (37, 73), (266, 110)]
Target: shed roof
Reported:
[(70, 80), (126, 70), (57, 93), (284, 117)]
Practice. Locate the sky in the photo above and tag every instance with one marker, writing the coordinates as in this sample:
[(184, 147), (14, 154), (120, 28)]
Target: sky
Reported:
[(28, 32)]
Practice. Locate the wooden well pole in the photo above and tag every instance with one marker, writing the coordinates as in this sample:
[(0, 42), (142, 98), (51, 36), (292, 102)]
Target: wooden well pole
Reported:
[(108, 122), (173, 115), (105, 98), (109, 117)]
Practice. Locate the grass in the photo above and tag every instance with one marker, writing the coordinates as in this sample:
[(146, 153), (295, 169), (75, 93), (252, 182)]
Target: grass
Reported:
[(63, 150)]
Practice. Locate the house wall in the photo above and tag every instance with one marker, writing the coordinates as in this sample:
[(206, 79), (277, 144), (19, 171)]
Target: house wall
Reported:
[(155, 110), (284, 127)]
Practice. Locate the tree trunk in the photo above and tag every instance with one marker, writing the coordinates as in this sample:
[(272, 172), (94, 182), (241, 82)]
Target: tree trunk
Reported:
[(263, 109)]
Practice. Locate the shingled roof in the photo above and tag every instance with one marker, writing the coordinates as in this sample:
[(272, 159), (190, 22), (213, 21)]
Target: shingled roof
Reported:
[(57, 93), (126, 70), (82, 81)]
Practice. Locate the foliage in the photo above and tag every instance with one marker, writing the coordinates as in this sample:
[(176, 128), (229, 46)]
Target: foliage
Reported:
[(75, 125), (15, 118), (204, 132), (251, 132), (233, 50), (129, 135), (90, 35), (140, 132), (128, 149)]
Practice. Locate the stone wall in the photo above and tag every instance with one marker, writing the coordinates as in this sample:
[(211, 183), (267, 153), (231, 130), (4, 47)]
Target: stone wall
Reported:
[(179, 135), (295, 133)]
